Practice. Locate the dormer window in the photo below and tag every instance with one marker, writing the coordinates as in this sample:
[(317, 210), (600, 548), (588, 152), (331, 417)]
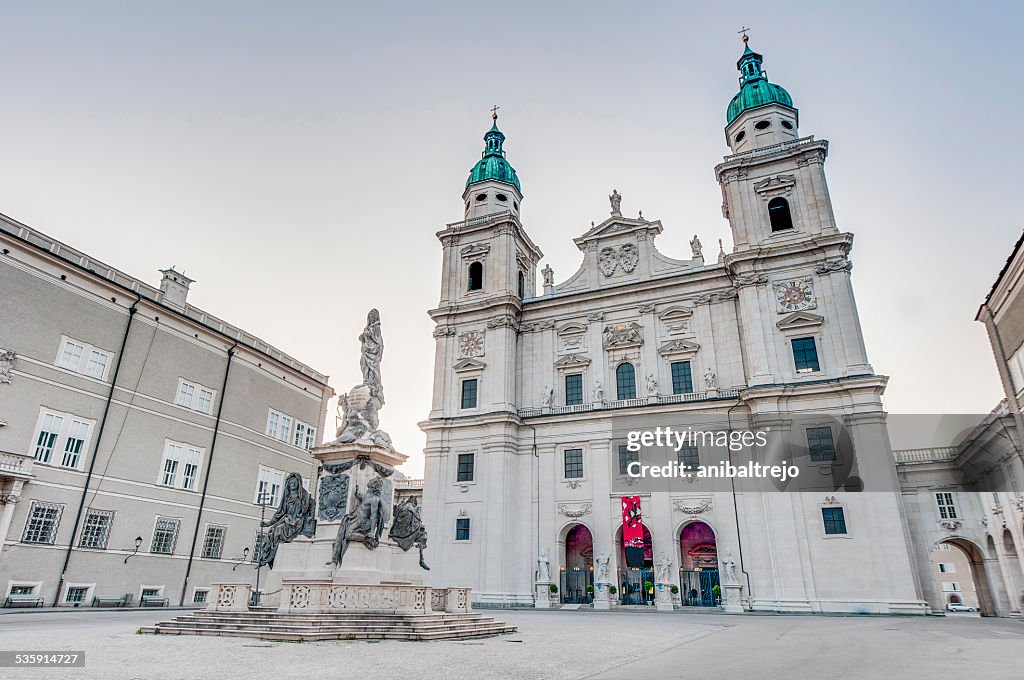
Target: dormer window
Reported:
[(779, 215), (476, 276)]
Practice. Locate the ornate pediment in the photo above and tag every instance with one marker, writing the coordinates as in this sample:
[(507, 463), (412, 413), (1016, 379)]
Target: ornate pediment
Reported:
[(572, 361), (571, 328), (475, 251), (781, 185), (800, 320), (676, 312), (469, 365), (678, 347)]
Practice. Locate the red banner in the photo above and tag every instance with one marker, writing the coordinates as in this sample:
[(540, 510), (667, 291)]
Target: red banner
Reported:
[(632, 531)]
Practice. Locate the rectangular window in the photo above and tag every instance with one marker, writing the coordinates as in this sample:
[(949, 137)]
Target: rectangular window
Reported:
[(573, 463), (42, 523), (820, 444), (200, 595), (689, 456), (194, 396), (462, 529), (23, 590), (213, 543), (305, 435), (83, 358), (180, 466), (466, 464), (96, 529), (469, 393), (947, 567), (573, 389), (947, 508), (835, 520), (96, 367), (625, 458), (151, 592), (76, 594), (165, 535), (805, 355), (682, 377), (268, 487), (279, 426), (78, 432), (49, 430), (64, 433)]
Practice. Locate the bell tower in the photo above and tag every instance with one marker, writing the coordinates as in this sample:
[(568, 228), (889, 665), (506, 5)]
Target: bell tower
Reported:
[(773, 184), (493, 185)]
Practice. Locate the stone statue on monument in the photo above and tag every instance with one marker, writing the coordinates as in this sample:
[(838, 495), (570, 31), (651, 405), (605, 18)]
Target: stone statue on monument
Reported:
[(601, 567), (359, 407), (295, 516), (408, 530), (366, 521)]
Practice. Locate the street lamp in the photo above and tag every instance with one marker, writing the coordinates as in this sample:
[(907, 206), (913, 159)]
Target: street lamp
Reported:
[(264, 499), (138, 544), (245, 556)]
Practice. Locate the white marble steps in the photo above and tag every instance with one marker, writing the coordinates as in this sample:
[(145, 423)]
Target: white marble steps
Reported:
[(335, 626)]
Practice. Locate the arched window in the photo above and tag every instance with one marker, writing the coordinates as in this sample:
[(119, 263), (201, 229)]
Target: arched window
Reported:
[(625, 381), (522, 285), (778, 214), (476, 276)]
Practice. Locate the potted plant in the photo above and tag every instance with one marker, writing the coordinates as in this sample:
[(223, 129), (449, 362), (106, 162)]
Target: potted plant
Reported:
[(590, 590), (553, 588), (716, 593), (649, 586), (612, 590), (675, 590)]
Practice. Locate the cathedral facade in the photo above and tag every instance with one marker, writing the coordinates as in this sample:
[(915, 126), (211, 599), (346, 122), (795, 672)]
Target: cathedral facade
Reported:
[(528, 457)]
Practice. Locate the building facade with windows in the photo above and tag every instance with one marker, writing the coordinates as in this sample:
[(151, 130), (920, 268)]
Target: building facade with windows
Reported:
[(138, 434), (535, 392)]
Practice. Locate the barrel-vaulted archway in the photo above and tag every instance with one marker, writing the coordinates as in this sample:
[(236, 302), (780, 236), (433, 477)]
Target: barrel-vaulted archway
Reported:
[(982, 584), (698, 565), (635, 584), (576, 564)]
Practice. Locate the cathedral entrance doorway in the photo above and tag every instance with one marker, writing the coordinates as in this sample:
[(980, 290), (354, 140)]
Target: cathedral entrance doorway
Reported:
[(979, 576), (636, 585), (698, 566), (577, 568)]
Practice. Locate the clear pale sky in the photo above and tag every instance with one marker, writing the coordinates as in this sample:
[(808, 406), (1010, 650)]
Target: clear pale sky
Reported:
[(296, 159)]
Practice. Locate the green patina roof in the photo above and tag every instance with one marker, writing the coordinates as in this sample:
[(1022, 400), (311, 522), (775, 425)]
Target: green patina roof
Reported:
[(492, 164), (755, 90)]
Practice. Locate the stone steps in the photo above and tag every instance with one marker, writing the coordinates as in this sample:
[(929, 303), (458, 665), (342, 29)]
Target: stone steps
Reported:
[(340, 626)]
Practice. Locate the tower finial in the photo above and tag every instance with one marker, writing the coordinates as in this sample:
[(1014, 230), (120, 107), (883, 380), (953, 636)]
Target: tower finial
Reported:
[(743, 30), (494, 112)]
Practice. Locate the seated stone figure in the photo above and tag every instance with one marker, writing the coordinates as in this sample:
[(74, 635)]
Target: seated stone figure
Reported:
[(365, 523), (407, 530), (296, 516)]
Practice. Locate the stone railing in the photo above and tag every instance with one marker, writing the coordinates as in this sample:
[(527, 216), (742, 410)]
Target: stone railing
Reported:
[(537, 411), (933, 454), (479, 220), (13, 463), (766, 150)]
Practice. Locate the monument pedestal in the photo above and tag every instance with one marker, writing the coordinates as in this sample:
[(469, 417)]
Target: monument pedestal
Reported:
[(731, 602), (663, 597), (543, 591), (602, 599)]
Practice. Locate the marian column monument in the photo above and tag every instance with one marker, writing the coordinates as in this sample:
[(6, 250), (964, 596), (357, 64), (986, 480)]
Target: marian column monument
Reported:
[(347, 546)]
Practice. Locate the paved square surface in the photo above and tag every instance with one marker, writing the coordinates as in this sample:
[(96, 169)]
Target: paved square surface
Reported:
[(552, 645)]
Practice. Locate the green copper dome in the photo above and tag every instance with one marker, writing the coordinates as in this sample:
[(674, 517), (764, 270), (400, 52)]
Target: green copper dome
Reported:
[(492, 164), (755, 90)]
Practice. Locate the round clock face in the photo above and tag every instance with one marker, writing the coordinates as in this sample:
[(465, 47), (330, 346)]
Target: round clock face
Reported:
[(794, 295), (471, 343)]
